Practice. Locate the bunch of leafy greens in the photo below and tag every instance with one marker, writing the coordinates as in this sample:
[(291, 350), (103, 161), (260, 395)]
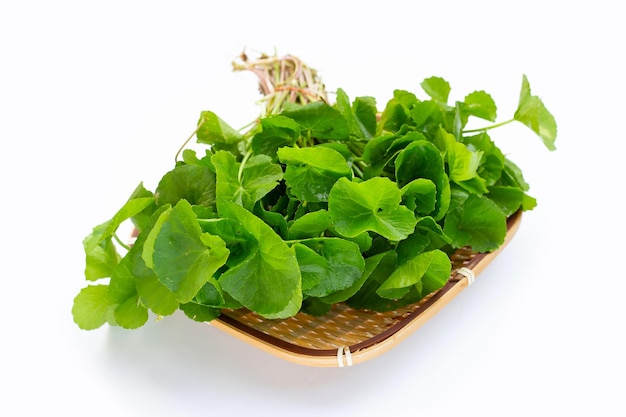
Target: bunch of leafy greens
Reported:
[(313, 205)]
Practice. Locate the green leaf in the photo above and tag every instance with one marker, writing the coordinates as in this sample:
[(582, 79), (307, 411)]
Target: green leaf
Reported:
[(277, 131), (152, 293), (213, 130), (428, 271), (380, 152), (320, 120), (260, 176), (438, 273), (533, 113), (512, 175), (393, 117), (275, 220), (363, 240), (361, 116), (191, 158), (377, 269), (422, 159), (365, 111), (310, 225), (131, 314), (132, 207), (91, 307), (477, 222), (405, 98), (245, 186), (342, 148), (437, 88), (312, 266), (268, 281), (240, 243), (142, 218), (147, 249), (183, 257), (428, 236), (462, 162), (337, 266), (367, 297), (474, 185), (315, 307), (199, 313), (211, 294), (528, 203), (480, 104), (492, 162), (343, 105), (420, 195), (194, 183), (101, 256), (427, 115), (291, 309), (370, 264), (121, 289), (372, 205), (376, 149), (509, 199), (311, 172)]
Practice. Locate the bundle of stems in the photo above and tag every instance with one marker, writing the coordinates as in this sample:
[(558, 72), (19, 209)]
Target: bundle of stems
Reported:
[(284, 79)]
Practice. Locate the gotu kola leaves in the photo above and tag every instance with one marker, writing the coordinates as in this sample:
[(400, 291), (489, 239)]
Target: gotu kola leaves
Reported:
[(533, 113), (316, 203), (372, 205), (311, 172), (267, 281), (182, 256)]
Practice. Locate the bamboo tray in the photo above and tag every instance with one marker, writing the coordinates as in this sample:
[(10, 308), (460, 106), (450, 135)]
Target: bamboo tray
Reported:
[(346, 336)]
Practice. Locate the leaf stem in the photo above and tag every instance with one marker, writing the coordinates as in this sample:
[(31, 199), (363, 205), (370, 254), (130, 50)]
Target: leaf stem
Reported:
[(118, 240), (187, 141), (488, 127), (242, 165), (283, 80)]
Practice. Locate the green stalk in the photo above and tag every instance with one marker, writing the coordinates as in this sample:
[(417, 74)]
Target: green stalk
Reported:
[(186, 142), (122, 244), (243, 165), (488, 127)]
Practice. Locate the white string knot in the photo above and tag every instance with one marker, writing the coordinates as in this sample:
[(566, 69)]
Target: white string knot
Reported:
[(341, 352), (467, 273)]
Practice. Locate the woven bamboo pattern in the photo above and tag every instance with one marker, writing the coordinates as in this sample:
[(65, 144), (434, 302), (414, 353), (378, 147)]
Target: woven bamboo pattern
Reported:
[(342, 326), (320, 341)]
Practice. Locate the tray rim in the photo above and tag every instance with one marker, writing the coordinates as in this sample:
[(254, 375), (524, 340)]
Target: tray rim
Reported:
[(376, 345)]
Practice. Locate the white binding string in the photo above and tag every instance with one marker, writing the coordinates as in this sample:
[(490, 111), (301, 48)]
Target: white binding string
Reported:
[(467, 273), (341, 352)]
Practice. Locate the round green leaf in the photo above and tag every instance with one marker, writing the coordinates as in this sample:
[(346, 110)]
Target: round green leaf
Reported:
[(91, 307), (312, 172), (477, 222), (372, 205)]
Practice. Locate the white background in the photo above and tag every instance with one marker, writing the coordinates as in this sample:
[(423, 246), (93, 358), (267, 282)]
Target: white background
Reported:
[(98, 96)]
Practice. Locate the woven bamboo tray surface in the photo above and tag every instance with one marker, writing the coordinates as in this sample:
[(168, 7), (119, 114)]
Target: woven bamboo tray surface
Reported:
[(342, 326), (316, 341)]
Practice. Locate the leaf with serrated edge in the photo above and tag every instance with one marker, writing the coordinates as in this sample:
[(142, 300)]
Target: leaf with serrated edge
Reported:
[(182, 256), (533, 113), (480, 104), (268, 281), (437, 88), (372, 205)]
